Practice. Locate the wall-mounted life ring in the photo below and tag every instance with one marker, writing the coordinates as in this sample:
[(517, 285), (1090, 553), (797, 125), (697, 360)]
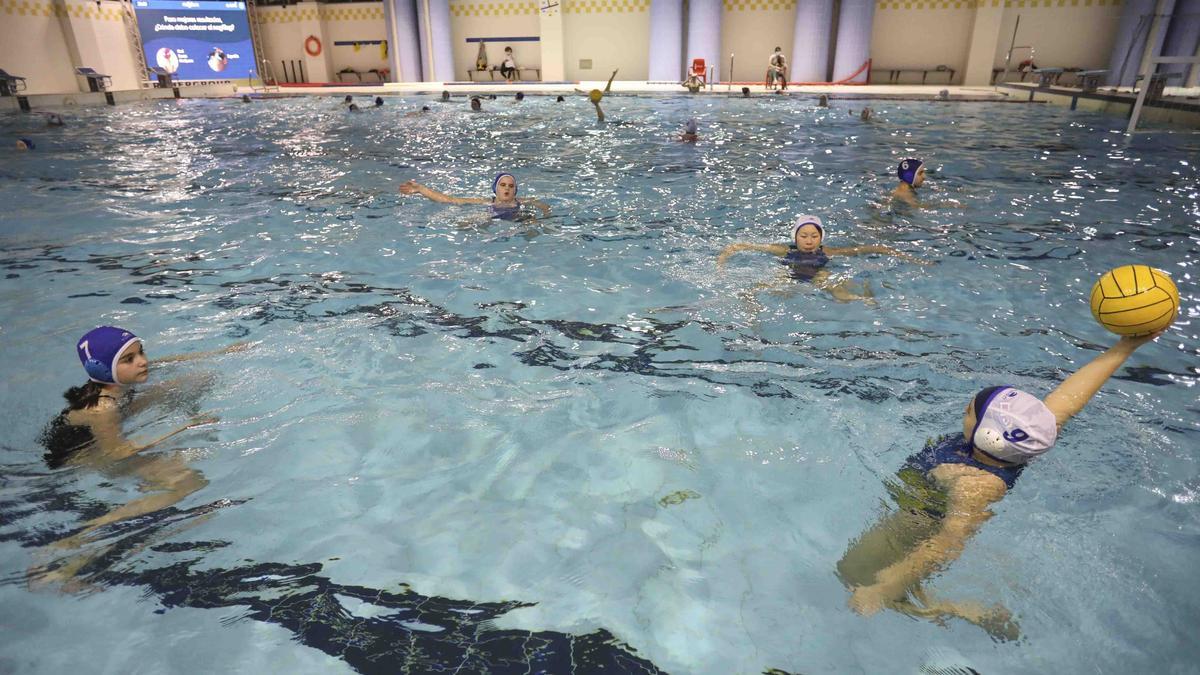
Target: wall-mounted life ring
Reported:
[(312, 45)]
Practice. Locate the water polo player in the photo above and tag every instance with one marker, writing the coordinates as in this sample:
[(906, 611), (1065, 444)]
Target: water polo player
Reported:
[(504, 205), (806, 257), (944, 493)]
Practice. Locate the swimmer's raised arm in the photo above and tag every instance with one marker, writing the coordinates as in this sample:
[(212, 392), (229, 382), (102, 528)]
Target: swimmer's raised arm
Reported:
[(608, 87), (413, 187), (1073, 394), (737, 247), (599, 111)]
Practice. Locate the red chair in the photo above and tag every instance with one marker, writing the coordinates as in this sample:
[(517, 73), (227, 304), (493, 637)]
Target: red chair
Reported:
[(699, 70)]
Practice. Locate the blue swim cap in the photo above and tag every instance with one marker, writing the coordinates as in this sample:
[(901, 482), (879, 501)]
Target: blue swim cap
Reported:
[(28, 143), (908, 170), (99, 350), (496, 181)]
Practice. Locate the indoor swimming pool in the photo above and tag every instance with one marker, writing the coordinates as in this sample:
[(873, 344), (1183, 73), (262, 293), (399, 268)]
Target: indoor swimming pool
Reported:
[(566, 443)]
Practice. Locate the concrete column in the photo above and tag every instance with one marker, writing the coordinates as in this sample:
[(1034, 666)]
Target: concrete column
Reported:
[(550, 25), (853, 39), (1130, 43), (666, 40), (1183, 37), (316, 68), (704, 33), (1157, 35), (985, 41), (404, 50), (89, 43), (437, 59), (810, 47)]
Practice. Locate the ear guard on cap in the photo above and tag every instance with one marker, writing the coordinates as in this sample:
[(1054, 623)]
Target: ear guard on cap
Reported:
[(98, 370)]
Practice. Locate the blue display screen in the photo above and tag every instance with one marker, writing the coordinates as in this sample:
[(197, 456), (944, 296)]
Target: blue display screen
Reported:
[(196, 39)]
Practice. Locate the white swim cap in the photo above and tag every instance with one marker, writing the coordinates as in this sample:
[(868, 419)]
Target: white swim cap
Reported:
[(803, 220), (1012, 426)]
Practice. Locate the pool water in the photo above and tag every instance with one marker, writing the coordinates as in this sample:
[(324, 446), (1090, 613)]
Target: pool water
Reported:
[(573, 443)]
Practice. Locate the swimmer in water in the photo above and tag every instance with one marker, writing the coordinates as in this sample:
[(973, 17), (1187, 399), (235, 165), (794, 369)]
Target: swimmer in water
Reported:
[(353, 107), (445, 96), (560, 99), (693, 83), (520, 96), (417, 113), (504, 205), (348, 100), (87, 433), (476, 104), (822, 101), (945, 493), (55, 120), (912, 176), (690, 134), (745, 92), (865, 114), (25, 144), (806, 258), (378, 101)]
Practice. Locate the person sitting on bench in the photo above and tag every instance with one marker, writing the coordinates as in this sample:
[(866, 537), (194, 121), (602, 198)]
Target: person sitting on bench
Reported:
[(777, 69), (509, 67)]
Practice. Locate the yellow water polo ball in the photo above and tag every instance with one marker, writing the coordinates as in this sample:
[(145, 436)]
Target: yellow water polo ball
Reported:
[(1135, 300), (595, 95)]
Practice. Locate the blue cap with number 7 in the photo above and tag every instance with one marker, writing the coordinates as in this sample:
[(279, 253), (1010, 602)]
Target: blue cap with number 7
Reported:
[(99, 350)]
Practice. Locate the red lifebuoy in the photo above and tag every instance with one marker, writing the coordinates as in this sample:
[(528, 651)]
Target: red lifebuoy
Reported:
[(312, 45)]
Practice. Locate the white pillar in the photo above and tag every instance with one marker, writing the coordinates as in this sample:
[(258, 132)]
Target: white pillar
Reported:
[(704, 33), (853, 39), (810, 47), (666, 40), (404, 50)]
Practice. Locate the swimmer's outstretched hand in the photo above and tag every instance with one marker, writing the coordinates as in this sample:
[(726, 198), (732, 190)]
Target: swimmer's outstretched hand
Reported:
[(412, 187), (868, 600), (1132, 343)]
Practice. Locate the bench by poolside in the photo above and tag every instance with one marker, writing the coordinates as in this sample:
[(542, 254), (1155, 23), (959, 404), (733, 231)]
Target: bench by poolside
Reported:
[(894, 73), (496, 69)]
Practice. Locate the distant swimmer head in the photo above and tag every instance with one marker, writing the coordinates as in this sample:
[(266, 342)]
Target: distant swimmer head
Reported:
[(475, 104), (504, 186), (25, 144), (808, 232), (520, 96), (55, 120), (378, 101), (245, 98), (1010, 425), (745, 92), (912, 171), (492, 97), (348, 98), (691, 127), (595, 95), (560, 99), (112, 355), (823, 101), (353, 107), (445, 95), (424, 108)]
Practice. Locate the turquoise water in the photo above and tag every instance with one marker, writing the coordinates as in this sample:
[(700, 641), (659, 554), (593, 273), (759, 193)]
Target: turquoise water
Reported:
[(518, 446)]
